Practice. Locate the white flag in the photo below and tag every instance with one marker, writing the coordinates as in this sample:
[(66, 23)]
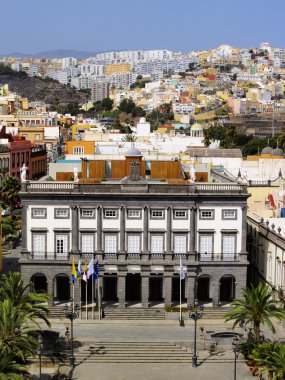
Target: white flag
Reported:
[(181, 271), (79, 268), (90, 270)]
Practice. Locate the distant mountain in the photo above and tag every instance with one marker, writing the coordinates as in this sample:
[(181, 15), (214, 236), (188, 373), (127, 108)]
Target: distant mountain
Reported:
[(62, 53)]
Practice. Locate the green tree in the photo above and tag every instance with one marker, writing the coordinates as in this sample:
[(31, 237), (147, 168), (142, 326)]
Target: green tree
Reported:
[(8, 226), (138, 112), (127, 106), (10, 192), (262, 356), (256, 308), (10, 368), (129, 138), (107, 104)]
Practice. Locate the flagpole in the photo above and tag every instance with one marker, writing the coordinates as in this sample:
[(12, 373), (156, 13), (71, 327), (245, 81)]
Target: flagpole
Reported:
[(73, 297), (86, 290), (80, 286), (92, 295), (99, 299)]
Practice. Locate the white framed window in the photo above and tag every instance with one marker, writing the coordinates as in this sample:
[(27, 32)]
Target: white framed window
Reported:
[(110, 243), (180, 214), (134, 214), (61, 213), (206, 214), (229, 214), (110, 213), (206, 245), (87, 213), (39, 245), (157, 243), (157, 214), (180, 244), (39, 213), (228, 245), (87, 243), (61, 244), (78, 150), (134, 243)]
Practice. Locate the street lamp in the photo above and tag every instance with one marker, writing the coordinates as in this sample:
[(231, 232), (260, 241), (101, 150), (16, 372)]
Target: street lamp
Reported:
[(195, 313), (39, 352), (71, 315), (235, 345)]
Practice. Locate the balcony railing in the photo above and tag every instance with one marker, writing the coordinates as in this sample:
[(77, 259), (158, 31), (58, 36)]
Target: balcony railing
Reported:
[(49, 256), (218, 257)]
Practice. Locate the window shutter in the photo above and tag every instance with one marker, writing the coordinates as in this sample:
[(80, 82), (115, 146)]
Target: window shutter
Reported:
[(39, 245), (133, 243), (110, 243), (87, 241), (229, 245), (157, 244)]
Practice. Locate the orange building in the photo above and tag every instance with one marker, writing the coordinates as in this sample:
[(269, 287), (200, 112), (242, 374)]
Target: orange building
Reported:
[(80, 147), (116, 68)]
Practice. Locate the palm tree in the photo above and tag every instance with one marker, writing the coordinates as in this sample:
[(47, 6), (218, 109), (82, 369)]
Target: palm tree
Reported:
[(9, 192), (12, 288), (129, 138), (10, 369), (270, 358), (281, 140), (256, 308)]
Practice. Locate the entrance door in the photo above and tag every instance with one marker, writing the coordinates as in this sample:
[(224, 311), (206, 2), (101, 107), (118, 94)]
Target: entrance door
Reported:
[(176, 289), (227, 289), (63, 289), (39, 283), (133, 287), (155, 288), (110, 288), (203, 289)]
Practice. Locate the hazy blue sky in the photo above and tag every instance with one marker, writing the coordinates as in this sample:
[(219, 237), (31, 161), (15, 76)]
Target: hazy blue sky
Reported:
[(39, 25)]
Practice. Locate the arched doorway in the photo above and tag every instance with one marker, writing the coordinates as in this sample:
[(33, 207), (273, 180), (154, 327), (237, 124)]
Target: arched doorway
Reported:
[(110, 288), (227, 288), (61, 288), (204, 289), (133, 287), (155, 288), (176, 289), (39, 282)]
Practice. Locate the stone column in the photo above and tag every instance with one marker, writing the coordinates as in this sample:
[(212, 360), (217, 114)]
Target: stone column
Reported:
[(99, 230), (50, 290), (243, 251), (145, 290), (122, 290), (122, 230), (75, 229), (169, 230), (145, 231), (190, 291), (24, 250), (167, 284), (193, 232), (216, 293)]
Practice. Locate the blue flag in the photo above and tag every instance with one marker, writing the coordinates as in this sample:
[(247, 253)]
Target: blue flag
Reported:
[(96, 271)]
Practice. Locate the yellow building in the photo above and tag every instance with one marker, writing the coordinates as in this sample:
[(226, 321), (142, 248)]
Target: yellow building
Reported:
[(76, 129), (117, 68)]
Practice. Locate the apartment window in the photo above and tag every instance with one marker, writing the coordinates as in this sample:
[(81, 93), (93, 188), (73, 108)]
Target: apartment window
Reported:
[(110, 241), (61, 213), (157, 214), (87, 213), (180, 214), (37, 136), (205, 246), (111, 213), (206, 214), (39, 245), (87, 243), (157, 244), (228, 246), (229, 214), (78, 150), (180, 244), (39, 213), (134, 214), (134, 243), (61, 244)]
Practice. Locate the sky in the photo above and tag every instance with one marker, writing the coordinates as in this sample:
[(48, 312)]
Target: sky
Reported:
[(34, 26)]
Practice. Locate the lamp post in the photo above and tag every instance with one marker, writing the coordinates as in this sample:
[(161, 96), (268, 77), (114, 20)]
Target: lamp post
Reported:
[(71, 315), (195, 313), (235, 345), (39, 352)]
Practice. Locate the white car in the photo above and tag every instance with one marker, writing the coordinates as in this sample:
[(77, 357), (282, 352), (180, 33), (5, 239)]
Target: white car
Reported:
[(5, 212)]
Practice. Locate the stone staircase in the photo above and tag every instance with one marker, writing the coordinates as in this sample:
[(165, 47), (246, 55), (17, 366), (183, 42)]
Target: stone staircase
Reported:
[(133, 313), (215, 313), (56, 312), (133, 352)]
